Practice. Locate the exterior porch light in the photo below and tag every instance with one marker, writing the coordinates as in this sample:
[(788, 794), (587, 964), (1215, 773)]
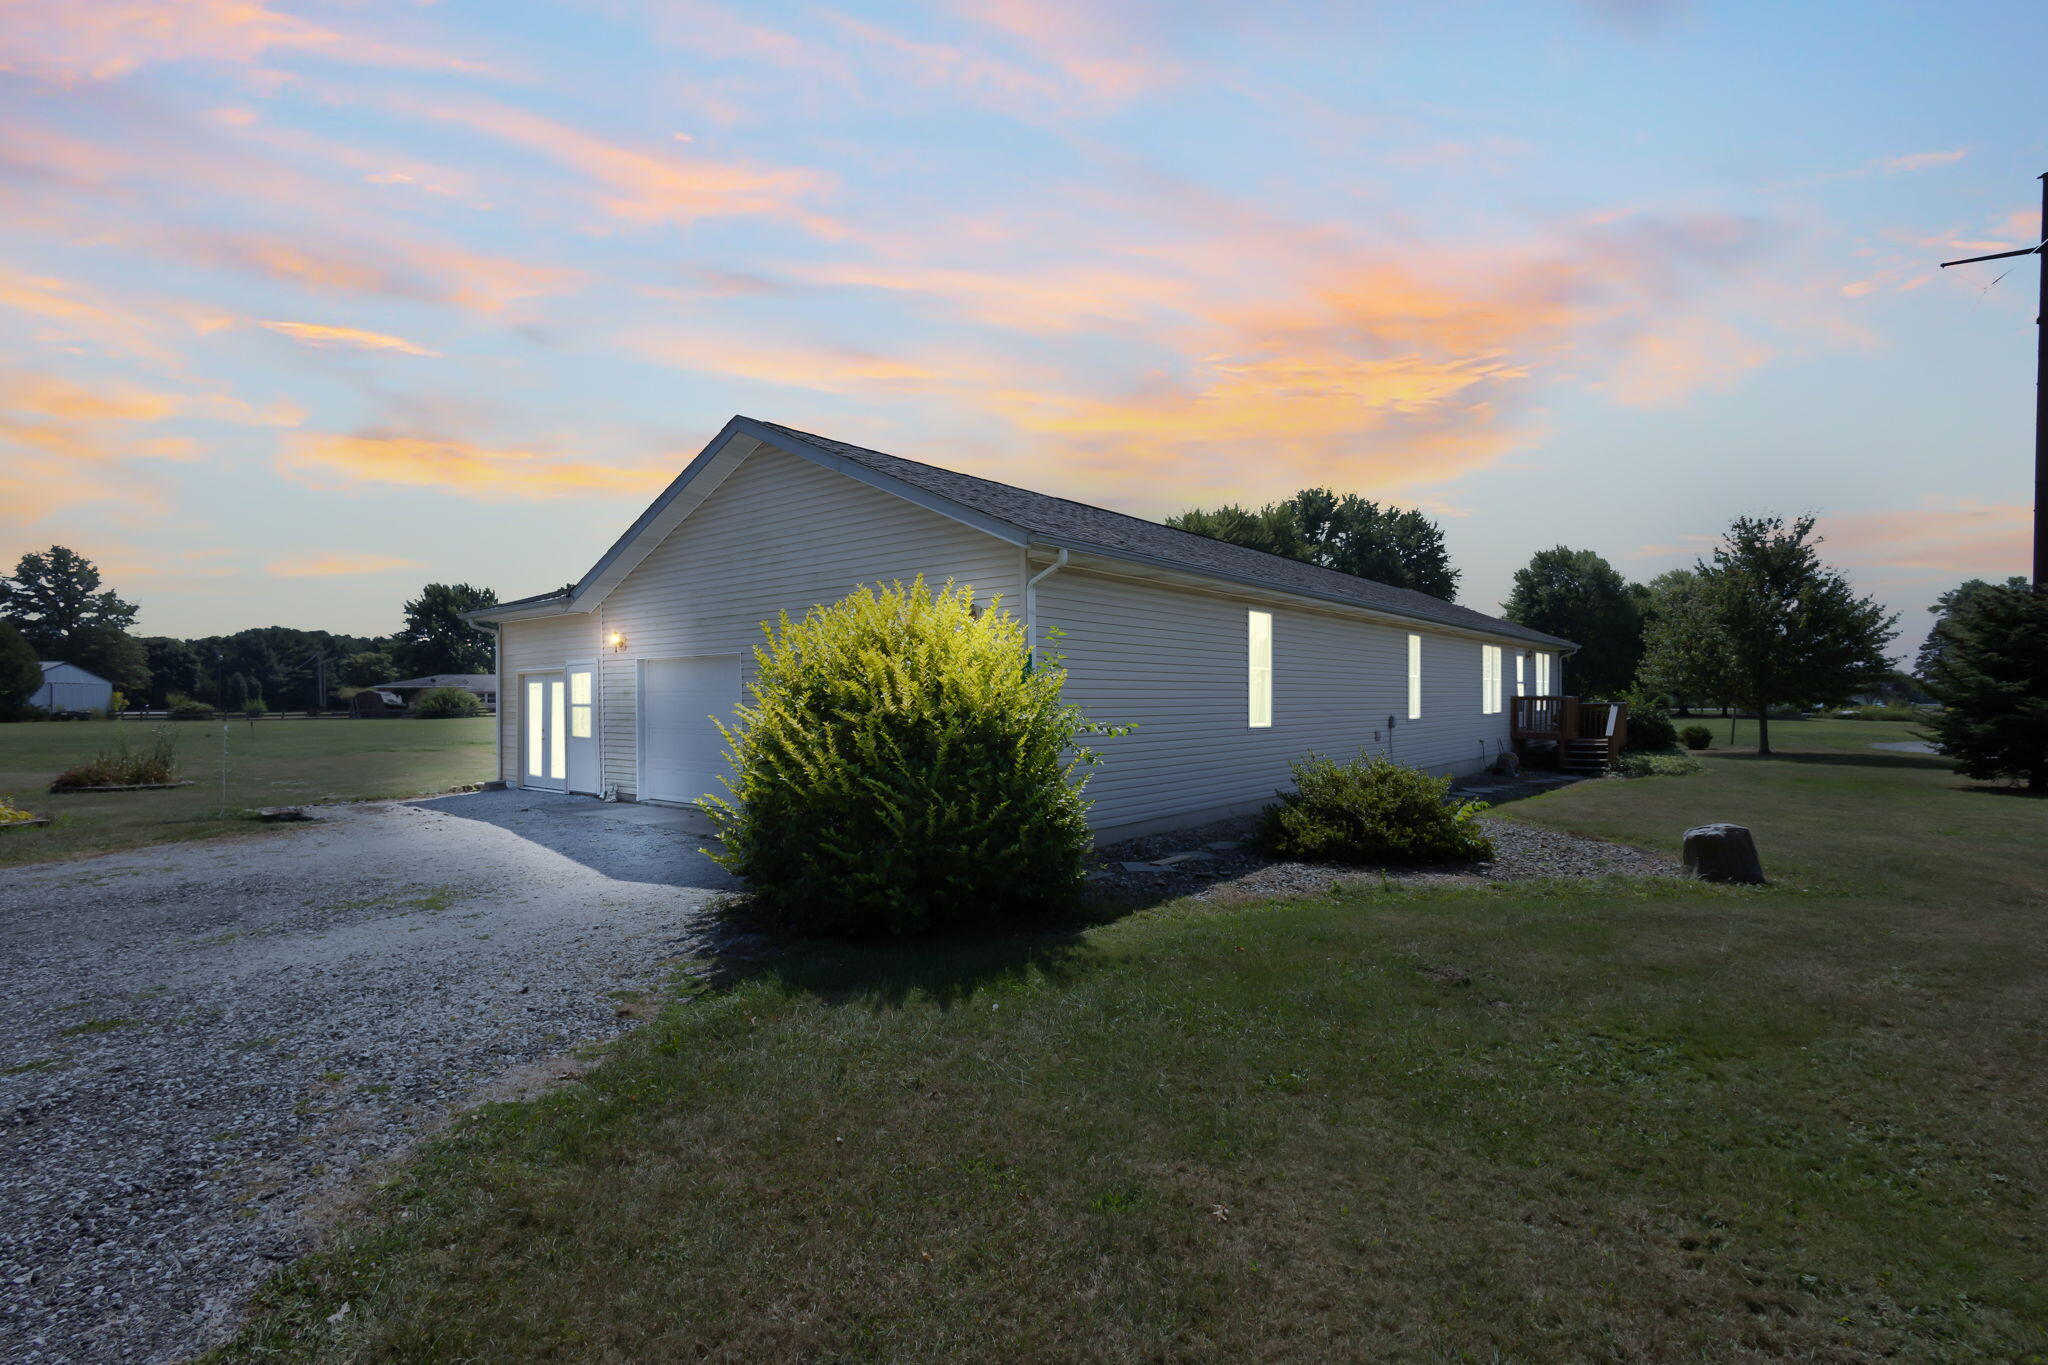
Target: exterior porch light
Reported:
[(616, 640)]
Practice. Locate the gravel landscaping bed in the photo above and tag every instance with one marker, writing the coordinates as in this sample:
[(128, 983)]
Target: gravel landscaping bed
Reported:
[(200, 1044), (1217, 860)]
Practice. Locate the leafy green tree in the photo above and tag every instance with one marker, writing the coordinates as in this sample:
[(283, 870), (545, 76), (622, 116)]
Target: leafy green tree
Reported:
[(55, 594), (1578, 595), (436, 639), (20, 672), (1682, 655), (368, 667), (1765, 623), (1946, 605), (1991, 675), (1345, 532), (102, 648), (174, 666)]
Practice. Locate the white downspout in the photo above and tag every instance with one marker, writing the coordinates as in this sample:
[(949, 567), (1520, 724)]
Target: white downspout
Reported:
[(1031, 605)]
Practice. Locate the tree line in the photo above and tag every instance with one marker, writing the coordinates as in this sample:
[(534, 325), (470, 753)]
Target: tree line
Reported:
[(56, 606)]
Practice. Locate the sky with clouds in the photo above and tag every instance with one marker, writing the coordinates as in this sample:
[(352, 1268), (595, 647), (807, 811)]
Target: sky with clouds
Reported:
[(306, 302)]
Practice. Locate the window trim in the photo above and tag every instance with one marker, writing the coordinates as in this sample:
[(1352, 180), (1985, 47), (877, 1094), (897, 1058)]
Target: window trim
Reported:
[(1414, 676), (1258, 648)]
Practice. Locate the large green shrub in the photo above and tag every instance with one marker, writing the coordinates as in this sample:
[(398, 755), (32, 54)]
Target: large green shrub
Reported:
[(445, 703), (1371, 810), (184, 708), (1649, 726), (901, 769), (1696, 736)]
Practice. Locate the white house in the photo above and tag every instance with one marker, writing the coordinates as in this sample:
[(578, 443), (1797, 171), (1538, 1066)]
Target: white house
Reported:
[(1229, 661), (67, 687)]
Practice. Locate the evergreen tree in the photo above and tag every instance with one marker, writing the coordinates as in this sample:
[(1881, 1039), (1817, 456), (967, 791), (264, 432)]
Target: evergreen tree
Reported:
[(1944, 606), (1990, 674), (1579, 596), (1402, 548)]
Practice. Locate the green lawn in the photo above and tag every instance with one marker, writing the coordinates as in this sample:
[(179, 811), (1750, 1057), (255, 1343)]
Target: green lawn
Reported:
[(269, 763), (1615, 1122)]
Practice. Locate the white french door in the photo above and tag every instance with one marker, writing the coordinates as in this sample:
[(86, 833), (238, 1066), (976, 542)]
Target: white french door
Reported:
[(544, 719)]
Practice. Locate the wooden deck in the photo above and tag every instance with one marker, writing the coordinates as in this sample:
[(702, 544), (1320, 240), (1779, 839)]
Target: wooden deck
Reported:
[(1589, 735)]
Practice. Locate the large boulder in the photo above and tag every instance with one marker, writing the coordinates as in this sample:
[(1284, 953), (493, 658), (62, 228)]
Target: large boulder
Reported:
[(1722, 853)]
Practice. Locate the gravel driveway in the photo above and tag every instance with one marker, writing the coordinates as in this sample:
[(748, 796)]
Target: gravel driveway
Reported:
[(200, 1042)]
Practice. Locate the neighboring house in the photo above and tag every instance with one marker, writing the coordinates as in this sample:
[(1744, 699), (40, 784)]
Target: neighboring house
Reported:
[(67, 687), (407, 691), (1229, 661)]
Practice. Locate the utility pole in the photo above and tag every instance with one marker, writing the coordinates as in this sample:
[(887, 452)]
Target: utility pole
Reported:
[(2040, 394)]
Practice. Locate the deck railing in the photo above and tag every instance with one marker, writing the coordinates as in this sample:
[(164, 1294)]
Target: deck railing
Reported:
[(1564, 720)]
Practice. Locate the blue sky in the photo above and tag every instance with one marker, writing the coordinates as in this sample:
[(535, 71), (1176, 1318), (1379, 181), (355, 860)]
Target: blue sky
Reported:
[(305, 303)]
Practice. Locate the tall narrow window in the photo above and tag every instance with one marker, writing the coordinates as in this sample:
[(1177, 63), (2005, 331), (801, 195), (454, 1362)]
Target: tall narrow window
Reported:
[(579, 703), (1415, 677), (1542, 675), (536, 729), (1259, 649), (1521, 662), (1489, 680)]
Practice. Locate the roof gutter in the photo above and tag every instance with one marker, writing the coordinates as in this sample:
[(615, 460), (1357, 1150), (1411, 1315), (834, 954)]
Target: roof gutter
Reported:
[(550, 604)]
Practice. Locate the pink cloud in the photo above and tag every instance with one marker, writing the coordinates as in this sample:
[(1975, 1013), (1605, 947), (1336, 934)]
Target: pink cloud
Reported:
[(69, 41)]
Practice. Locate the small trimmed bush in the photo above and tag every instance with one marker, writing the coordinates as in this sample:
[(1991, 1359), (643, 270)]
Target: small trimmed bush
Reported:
[(184, 708), (125, 765), (1696, 736), (900, 769), (1371, 811), (254, 708), (447, 703)]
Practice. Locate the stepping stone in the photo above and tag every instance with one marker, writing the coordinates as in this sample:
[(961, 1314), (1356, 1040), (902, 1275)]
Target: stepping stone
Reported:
[(1172, 858), (1224, 845), (1144, 867)]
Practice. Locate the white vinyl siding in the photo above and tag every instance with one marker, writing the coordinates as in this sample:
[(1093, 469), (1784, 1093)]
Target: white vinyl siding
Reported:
[(780, 533), (1415, 677), (1171, 662), (1489, 680), (1259, 648), (527, 647)]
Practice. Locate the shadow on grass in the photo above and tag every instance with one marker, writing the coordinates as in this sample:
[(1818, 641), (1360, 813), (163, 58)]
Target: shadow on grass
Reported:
[(1841, 760), (2003, 789), (947, 969)]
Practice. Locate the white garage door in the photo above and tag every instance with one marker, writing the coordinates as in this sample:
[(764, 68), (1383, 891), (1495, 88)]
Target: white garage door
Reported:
[(682, 755)]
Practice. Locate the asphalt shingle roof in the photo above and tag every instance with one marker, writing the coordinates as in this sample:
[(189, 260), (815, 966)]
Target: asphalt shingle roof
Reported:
[(1117, 534)]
